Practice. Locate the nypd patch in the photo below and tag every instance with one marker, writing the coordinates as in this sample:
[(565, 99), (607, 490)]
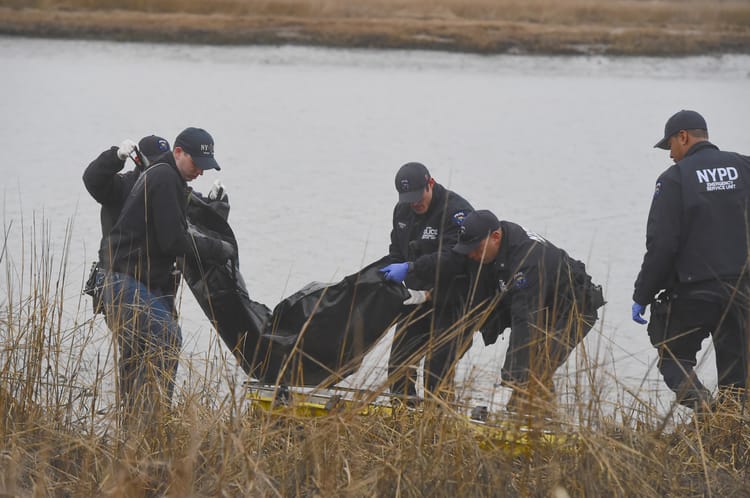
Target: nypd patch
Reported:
[(459, 216)]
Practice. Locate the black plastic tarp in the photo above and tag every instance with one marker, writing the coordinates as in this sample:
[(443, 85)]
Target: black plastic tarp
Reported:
[(321, 333), (317, 335), (220, 289)]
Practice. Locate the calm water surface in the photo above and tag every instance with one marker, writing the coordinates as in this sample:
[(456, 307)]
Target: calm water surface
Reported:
[(309, 141)]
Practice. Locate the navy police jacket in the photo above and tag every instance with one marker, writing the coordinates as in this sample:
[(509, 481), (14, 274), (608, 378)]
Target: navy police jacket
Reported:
[(426, 239), (531, 275), (697, 230), (533, 286)]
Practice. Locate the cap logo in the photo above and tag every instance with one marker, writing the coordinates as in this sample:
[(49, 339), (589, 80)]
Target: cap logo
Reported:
[(207, 149), (405, 185)]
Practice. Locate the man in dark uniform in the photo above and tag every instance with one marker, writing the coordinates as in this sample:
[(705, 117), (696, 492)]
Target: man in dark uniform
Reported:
[(110, 188), (524, 282), (139, 255), (425, 227), (696, 255)]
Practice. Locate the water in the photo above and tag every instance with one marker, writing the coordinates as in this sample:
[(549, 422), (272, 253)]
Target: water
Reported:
[(309, 141)]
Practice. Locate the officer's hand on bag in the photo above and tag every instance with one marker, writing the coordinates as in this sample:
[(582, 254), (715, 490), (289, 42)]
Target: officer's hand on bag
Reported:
[(638, 311), (217, 192), (417, 297), (395, 272), (126, 148)]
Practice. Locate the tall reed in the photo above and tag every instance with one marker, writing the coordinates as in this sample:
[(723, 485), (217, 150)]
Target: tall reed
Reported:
[(59, 436)]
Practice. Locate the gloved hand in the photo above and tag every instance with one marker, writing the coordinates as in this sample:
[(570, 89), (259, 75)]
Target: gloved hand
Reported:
[(395, 272), (217, 192), (417, 297), (638, 310), (126, 148)]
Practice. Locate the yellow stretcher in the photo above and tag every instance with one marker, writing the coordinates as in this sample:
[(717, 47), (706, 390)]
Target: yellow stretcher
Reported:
[(490, 431)]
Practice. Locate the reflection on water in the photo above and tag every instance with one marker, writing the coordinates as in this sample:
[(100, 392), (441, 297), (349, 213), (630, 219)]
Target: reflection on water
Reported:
[(309, 141)]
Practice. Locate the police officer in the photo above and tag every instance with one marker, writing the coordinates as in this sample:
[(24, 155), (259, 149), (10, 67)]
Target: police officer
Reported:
[(425, 228), (696, 255), (139, 255), (524, 282), (109, 187)]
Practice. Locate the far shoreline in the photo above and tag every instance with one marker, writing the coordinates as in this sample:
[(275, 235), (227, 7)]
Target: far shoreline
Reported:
[(447, 35)]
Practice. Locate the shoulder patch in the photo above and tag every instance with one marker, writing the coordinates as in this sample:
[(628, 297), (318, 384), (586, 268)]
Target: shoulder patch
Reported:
[(459, 216), (519, 280), (657, 189)]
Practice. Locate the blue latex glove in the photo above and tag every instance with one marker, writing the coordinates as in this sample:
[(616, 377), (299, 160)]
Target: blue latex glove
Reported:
[(395, 272), (638, 310)]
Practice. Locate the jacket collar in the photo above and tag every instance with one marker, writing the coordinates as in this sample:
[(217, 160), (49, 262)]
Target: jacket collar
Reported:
[(501, 260), (169, 159), (703, 144), (438, 199)]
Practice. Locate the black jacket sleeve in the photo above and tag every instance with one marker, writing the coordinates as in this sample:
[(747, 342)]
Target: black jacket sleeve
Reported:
[(662, 239), (394, 249), (103, 182)]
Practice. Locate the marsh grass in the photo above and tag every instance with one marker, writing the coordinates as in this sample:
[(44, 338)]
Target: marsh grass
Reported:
[(59, 434), (623, 27), (569, 12)]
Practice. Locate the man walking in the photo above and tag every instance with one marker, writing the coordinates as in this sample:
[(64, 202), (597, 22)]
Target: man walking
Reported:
[(425, 227), (696, 255)]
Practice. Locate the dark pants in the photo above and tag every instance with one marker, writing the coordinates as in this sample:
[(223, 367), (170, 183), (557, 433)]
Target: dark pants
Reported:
[(429, 334), (148, 340), (678, 327), (553, 331)]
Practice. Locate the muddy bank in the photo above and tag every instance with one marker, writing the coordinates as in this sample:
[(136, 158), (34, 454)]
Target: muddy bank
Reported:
[(486, 37)]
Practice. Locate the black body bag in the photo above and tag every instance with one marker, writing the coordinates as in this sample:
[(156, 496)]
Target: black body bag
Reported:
[(317, 335), (220, 289), (320, 334)]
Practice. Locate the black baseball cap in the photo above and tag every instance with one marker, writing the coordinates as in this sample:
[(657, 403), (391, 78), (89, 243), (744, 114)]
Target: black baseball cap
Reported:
[(152, 147), (683, 120), (476, 227), (200, 145), (411, 180)]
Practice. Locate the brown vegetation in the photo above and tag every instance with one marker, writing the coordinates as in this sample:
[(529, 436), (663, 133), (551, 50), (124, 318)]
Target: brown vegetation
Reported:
[(661, 27), (60, 436)]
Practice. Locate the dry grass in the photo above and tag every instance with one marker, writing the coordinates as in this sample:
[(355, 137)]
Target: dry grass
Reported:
[(571, 12), (660, 27), (58, 438)]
